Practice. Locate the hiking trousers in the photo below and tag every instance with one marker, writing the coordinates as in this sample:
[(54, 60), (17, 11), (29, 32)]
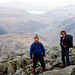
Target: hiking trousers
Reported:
[(40, 59), (65, 53)]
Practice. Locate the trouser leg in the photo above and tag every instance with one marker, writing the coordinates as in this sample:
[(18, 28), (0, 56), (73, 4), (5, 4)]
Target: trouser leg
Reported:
[(63, 57), (41, 60), (67, 58), (34, 63)]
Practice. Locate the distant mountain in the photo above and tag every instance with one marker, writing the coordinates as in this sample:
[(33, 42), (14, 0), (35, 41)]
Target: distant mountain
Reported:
[(13, 13), (53, 36), (19, 21), (59, 14)]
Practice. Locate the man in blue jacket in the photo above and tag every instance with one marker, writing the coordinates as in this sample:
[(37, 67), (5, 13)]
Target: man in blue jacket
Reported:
[(37, 49)]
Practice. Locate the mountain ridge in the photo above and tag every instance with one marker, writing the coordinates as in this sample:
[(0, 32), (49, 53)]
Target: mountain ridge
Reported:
[(53, 37)]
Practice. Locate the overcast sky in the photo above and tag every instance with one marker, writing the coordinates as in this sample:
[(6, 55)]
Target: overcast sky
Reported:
[(37, 5)]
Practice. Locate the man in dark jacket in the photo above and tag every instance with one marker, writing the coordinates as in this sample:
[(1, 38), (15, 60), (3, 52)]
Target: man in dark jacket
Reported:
[(37, 49), (65, 48)]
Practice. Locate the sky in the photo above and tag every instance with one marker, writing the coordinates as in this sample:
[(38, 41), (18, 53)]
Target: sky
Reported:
[(36, 6)]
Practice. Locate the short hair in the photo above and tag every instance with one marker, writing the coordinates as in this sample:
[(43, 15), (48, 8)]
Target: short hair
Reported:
[(36, 36), (63, 32)]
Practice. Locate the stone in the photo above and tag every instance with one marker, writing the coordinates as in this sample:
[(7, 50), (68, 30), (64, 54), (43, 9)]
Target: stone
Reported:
[(65, 71), (10, 74), (68, 68), (28, 61), (47, 60), (73, 71), (72, 58), (3, 60), (3, 67), (48, 66), (39, 70), (55, 63), (56, 48), (25, 55), (1, 73), (19, 52), (71, 51), (22, 61), (18, 67), (10, 69), (11, 58), (18, 72), (58, 61), (24, 73), (13, 64), (27, 70)]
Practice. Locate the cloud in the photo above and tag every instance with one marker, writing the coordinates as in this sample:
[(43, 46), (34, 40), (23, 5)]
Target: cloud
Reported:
[(3, 1), (39, 1), (36, 4), (47, 3), (37, 12)]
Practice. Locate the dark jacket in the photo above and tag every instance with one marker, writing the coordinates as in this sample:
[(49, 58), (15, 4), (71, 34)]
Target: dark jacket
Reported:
[(64, 42), (37, 49)]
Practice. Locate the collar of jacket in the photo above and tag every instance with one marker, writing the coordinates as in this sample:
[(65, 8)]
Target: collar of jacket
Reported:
[(64, 37), (38, 42)]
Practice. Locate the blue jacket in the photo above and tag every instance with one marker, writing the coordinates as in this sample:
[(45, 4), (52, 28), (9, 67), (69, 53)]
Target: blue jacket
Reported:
[(37, 49)]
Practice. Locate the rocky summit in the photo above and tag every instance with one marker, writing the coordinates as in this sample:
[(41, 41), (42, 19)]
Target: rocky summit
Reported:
[(15, 58)]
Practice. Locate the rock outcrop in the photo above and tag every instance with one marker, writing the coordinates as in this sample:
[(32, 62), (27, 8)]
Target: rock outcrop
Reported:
[(20, 64), (15, 58)]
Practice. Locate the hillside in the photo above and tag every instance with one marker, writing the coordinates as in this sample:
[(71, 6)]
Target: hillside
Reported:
[(61, 13), (53, 36), (15, 60), (13, 13), (11, 43), (20, 21), (2, 31), (56, 16)]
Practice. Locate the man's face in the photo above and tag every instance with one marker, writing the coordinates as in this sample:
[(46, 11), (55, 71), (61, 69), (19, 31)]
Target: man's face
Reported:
[(36, 40), (63, 34)]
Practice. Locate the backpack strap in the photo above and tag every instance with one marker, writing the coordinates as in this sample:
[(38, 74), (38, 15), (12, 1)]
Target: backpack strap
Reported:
[(41, 46)]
